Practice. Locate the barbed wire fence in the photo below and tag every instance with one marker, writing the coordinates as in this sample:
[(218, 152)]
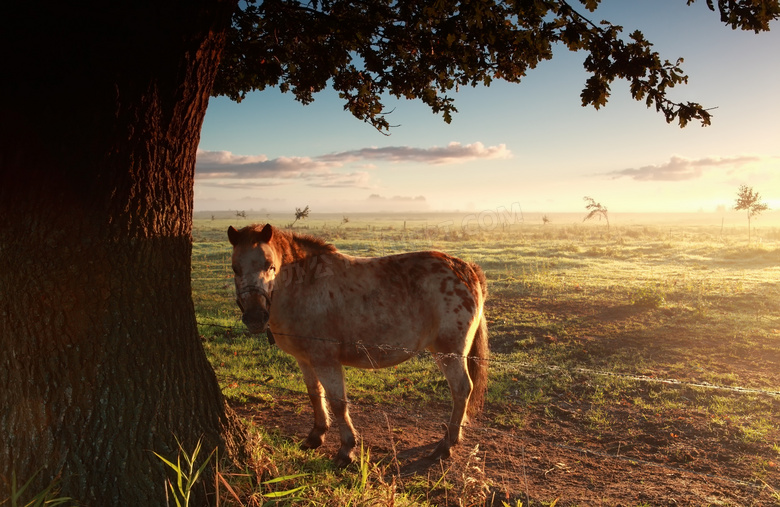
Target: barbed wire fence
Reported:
[(520, 368), (651, 378)]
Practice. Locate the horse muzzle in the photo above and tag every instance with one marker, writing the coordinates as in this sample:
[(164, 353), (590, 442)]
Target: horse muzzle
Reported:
[(255, 310), (256, 319)]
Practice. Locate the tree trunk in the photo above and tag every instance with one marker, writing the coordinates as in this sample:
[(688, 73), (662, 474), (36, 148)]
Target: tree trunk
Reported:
[(100, 359)]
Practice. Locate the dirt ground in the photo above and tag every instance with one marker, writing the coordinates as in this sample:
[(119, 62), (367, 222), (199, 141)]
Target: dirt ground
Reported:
[(672, 458), (540, 463)]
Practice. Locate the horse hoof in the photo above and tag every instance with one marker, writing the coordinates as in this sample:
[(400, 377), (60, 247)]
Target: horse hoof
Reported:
[(315, 439), (442, 451), (310, 444), (344, 458)]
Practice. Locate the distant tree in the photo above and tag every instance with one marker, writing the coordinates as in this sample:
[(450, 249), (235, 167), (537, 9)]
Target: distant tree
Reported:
[(101, 108), (545, 220), (241, 214), (749, 201), (595, 209), (300, 214)]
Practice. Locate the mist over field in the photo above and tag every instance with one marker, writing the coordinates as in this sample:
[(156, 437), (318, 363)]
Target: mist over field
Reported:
[(724, 223)]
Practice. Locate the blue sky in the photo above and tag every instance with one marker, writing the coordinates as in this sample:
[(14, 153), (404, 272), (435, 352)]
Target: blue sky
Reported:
[(530, 143)]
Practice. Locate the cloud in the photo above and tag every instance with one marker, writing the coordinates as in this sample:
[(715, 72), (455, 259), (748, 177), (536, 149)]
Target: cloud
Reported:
[(237, 185), (396, 198), (224, 164), (681, 168), (436, 155), (396, 203), (358, 179), (222, 168)]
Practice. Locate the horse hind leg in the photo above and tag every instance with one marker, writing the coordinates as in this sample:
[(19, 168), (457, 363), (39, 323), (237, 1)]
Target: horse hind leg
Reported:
[(316, 436), (455, 369)]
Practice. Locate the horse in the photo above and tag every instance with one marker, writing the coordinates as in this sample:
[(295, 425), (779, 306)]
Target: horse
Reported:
[(328, 309)]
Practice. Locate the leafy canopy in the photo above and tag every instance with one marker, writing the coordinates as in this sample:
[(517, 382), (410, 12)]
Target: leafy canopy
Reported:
[(427, 49)]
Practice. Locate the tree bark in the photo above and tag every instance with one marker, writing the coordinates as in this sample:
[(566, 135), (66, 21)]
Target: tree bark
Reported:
[(100, 360)]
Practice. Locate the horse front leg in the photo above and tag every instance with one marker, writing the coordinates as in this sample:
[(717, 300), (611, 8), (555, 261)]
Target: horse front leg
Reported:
[(332, 378), (317, 397), (456, 372)]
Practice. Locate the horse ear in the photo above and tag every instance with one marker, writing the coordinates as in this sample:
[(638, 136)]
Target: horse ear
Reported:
[(266, 233), (233, 235)]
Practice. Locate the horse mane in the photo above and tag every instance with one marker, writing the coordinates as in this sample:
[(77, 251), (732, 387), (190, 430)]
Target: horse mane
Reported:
[(296, 246), (312, 244)]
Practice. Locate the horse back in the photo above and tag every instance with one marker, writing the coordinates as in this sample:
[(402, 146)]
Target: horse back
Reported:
[(404, 300), (434, 287)]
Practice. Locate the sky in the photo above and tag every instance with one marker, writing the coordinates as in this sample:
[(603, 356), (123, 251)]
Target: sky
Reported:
[(530, 144)]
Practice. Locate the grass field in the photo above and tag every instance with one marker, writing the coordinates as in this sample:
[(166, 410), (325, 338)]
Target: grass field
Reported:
[(636, 365)]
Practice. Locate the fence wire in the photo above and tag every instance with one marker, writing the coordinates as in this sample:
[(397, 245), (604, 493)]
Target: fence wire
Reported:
[(522, 442), (649, 378)]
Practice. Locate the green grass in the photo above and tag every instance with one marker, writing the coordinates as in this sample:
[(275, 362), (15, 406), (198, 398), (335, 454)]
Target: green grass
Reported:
[(688, 304), (186, 475), (283, 474), (21, 496)]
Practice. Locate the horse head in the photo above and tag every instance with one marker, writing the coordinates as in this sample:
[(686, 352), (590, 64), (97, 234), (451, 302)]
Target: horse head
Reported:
[(255, 265)]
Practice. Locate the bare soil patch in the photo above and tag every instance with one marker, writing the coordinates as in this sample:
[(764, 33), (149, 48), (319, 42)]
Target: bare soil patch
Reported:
[(549, 459)]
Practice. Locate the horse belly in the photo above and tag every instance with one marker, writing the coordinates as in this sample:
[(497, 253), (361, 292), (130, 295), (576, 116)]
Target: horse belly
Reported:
[(377, 339), (373, 358)]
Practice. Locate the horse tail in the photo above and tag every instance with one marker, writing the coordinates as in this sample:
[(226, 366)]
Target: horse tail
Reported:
[(478, 369), (479, 354)]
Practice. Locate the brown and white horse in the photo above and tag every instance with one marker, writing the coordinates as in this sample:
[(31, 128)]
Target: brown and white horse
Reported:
[(328, 309)]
